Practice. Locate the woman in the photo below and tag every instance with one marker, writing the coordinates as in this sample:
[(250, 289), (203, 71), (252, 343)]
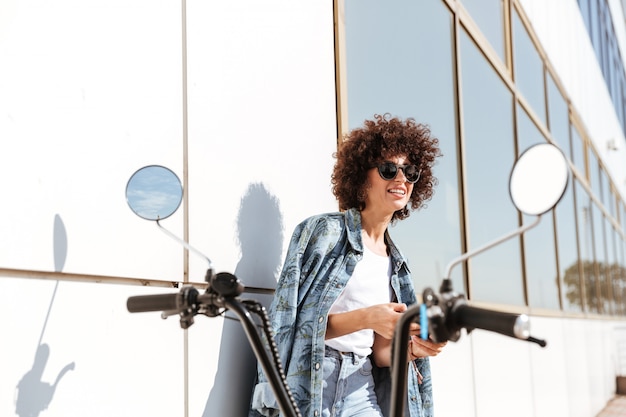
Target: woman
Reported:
[(345, 284)]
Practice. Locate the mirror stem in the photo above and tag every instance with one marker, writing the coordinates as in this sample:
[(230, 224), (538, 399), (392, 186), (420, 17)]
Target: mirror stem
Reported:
[(185, 244), (489, 245)]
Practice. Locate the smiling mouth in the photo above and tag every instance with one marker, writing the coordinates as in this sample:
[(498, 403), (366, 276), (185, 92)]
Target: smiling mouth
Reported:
[(397, 191)]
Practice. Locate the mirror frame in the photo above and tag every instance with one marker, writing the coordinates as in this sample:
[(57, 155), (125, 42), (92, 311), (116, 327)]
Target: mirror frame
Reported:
[(163, 191), (538, 179)]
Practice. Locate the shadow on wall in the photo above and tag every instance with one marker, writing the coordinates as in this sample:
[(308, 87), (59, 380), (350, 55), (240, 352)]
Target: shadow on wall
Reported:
[(59, 243), (32, 394), (260, 238)]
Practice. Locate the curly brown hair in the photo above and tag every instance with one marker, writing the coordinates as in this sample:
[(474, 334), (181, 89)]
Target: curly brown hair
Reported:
[(378, 140)]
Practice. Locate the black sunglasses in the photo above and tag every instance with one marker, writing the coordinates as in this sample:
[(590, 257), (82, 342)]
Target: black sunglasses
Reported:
[(388, 171)]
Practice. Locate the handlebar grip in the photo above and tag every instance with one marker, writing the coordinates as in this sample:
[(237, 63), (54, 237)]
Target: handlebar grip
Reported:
[(159, 302), (508, 324)]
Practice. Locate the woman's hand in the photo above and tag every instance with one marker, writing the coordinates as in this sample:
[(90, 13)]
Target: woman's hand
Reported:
[(417, 348), (382, 318), (420, 348)]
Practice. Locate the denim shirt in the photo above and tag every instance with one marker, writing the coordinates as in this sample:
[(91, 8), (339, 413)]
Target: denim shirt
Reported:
[(321, 257)]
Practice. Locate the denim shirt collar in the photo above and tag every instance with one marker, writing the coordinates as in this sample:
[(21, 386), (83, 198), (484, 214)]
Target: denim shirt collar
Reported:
[(353, 225)]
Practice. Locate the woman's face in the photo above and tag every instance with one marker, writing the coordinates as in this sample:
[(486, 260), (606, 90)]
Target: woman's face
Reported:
[(388, 196)]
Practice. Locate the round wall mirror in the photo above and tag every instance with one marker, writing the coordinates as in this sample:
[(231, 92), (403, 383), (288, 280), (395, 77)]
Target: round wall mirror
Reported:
[(539, 179), (154, 192)]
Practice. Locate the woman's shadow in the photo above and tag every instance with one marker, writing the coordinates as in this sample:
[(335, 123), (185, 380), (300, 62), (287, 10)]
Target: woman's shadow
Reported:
[(32, 394), (260, 238)]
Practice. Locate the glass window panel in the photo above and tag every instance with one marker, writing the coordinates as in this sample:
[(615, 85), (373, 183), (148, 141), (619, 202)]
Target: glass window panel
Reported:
[(593, 280), (606, 38), (595, 178), (568, 250), (623, 217), (584, 9), (603, 185), (558, 117), (405, 34), (601, 291), (527, 134), (594, 174), (616, 70), (605, 47), (611, 199), (528, 68), (539, 246), (595, 28), (607, 193), (621, 282), (613, 261), (621, 94), (578, 151), (584, 216), (489, 155), (613, 202), (541, 271), (383, 62), (489, 16), (598, 20)]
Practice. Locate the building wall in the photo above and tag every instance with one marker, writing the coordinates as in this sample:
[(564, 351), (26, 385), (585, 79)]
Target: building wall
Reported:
[(242, 109), (562, 33), (478, 73), (239, 99)]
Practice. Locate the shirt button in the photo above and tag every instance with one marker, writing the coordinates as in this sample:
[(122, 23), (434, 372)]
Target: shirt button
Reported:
[(317, 366), (321, 319), (413, 398), (316, 413)]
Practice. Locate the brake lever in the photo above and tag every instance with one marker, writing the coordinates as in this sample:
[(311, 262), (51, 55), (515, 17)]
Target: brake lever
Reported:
[(166, 314)]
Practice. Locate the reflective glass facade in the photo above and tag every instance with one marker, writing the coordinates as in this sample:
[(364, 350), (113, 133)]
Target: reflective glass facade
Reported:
[(475, 73), (598, 20)]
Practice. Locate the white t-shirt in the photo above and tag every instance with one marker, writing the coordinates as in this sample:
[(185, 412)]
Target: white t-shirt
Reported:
[(369, 285)]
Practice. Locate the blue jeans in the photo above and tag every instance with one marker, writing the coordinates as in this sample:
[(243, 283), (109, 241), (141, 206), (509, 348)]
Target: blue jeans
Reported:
[(348, 388)]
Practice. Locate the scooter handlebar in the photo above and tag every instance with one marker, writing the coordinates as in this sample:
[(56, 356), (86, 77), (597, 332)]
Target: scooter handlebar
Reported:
[(514, 325), (157, 302)]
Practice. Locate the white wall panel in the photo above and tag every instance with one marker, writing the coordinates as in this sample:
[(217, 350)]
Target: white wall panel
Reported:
[(501, 375), (549, 369), (117, 363), (90, 91), (262, 131), (453, 377), (93, 91)]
